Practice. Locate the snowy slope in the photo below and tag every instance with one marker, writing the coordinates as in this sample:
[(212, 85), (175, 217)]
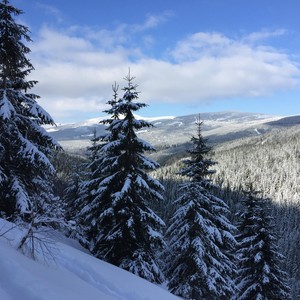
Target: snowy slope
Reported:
[(73, 274)]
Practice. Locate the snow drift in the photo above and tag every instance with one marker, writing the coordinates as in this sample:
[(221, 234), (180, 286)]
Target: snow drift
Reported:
[(70, 274)]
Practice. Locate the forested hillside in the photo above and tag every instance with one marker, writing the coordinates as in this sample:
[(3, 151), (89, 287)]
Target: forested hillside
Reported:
[(211, 223), (270, 163)]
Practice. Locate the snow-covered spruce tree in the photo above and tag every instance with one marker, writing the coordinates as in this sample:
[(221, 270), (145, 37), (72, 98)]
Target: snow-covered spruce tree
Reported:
[(25, 170), (259, 273), (125, 231), (200, 235), (87, 205)]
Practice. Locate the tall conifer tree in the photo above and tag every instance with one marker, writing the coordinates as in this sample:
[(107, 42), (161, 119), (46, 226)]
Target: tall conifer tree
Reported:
[(89, 203), (125, 231), (259, 273), (25, 169), (201, 240)]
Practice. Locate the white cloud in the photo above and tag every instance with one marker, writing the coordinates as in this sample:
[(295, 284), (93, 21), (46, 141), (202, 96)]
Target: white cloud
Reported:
[(152, 21), (264, 34), (76, 72), (66, 107), (52, 10), (200, 44)]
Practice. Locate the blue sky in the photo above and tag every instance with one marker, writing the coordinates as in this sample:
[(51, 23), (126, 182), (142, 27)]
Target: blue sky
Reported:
[(188, 56)]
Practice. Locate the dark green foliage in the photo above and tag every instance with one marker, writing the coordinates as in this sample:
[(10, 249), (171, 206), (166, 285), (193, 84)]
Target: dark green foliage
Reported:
[(120, 226), (271, 163), (14, 65), (201, 240), (259, 273), (25, 170), (198, 166), (67, 167)]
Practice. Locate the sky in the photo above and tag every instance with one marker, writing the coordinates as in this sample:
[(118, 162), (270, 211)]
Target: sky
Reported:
[(187, 56)]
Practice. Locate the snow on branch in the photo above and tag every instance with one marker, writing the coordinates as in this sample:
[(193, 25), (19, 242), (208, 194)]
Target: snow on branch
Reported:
[(23, 202), (6, 108), (30, 152)]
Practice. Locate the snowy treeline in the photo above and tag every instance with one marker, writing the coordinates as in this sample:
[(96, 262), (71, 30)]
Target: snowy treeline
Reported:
[(178, 202), (113, 218), (271, 164), (113, 207)]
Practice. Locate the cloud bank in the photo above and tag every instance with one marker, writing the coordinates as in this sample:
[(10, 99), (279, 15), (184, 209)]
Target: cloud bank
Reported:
[(76, 66)]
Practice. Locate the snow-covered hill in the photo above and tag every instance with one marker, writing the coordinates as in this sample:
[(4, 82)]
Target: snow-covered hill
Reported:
[(72, 274), (168, 131)]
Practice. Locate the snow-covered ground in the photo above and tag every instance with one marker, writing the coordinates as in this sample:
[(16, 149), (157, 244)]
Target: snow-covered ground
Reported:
[(71, 274)]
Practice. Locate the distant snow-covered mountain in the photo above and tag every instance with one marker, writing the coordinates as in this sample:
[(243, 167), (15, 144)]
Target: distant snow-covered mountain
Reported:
[(170, 130)]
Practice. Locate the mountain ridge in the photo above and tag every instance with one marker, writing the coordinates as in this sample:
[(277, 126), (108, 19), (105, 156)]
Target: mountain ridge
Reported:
[(168, 131)]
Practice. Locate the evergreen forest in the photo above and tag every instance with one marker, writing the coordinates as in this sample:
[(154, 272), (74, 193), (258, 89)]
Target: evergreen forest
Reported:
[(211, 222)]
